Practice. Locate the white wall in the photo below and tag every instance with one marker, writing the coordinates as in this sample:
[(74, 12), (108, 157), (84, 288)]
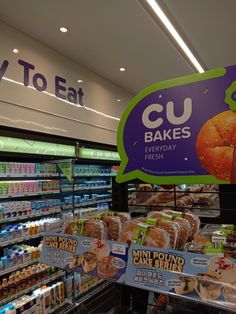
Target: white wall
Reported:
[(26, 108)]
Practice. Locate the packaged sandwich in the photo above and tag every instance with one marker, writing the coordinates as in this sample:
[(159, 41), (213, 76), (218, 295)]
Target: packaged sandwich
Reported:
[(87, 228), (169, 226), (137, 232)]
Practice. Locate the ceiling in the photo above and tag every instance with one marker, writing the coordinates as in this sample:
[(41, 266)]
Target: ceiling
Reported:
[(105, 35)]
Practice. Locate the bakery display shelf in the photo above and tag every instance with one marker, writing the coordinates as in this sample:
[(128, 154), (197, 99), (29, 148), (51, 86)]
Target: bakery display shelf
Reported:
[(84, 204), (38, 285), (18, 218), (28, 176), (17, 267), (34, 236), (138, 210), (29, 194)]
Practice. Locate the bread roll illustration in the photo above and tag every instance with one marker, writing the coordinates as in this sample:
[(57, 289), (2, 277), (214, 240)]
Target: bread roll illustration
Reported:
[(215, 146)]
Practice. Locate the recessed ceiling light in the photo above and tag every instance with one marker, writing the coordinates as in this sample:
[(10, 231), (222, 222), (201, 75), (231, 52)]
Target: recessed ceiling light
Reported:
[(118, 99), (80, 81), (63, 29), (164, 19), (122, 69), (15, 50)]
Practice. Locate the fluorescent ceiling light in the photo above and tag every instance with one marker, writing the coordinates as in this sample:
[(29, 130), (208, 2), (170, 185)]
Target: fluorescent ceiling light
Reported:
[(80, 81), (122, 69), (15, 50), (63, 29), (118, 99), (157, 9)]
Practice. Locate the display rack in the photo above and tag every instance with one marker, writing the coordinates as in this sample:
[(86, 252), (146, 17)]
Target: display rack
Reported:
[(70, 188)]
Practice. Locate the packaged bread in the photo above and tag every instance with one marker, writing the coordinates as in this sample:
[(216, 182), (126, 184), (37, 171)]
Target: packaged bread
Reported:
[(192, 219), (137, 232), (113, 227), (87, 228), (169, 226)]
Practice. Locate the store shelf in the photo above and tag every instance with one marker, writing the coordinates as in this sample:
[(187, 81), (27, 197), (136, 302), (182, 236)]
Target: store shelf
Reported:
[(34, 236), (94, 175), (95, 290), (131, 189), (87, 188), (18, 218), (15, 268), (90, 288), (44, 282), (30, 194), (84, 204), (58, 307), (28, 175)]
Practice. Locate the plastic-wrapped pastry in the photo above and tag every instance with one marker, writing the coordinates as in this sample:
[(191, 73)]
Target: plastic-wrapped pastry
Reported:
[(208, 288), (169, 226), (123, 216), (154, 236), (87, 228), (194, 223), (113, 227), (183, 224), (192, 219)]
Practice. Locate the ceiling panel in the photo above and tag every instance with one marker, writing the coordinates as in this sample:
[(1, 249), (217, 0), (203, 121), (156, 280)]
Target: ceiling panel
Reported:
[(210, 25), (103, 36)]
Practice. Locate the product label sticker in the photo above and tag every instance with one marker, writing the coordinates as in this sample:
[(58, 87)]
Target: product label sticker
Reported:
[(140, 233), (204, 278), (182, 131), (216, 239), (104, 259)]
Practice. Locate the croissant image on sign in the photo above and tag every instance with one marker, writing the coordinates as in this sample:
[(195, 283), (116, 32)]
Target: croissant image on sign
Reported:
[(181, 131)]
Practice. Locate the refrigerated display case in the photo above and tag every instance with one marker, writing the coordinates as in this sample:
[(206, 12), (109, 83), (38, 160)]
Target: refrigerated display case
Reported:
[(43, 184)]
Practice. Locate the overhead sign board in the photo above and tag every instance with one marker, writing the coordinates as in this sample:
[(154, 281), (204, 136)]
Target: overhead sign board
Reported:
[(181, 131)]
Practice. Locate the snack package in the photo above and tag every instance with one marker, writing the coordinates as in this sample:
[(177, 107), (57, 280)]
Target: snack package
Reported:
[(113, 227), (137, 232), (87, 228)]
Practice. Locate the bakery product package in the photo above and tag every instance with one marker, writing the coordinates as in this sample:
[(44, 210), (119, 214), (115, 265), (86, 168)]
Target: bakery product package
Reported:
[(171, 227), (87, 228), (193, 220), (137, 231), (183, 224)]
